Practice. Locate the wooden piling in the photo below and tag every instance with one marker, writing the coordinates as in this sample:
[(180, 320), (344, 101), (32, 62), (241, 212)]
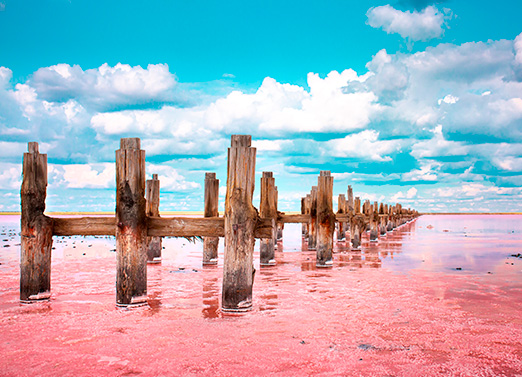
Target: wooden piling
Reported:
[(267, 209), (36, 229), (325, 220), (240, 222), (210, 244), (279, 225), (357, 224), (341, 209), (303, 211), (312, 235), (308, 205), (131, 220), (152, 197), (373, 222)]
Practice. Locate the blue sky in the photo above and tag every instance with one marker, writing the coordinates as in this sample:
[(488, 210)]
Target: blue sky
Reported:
[(412, 101)]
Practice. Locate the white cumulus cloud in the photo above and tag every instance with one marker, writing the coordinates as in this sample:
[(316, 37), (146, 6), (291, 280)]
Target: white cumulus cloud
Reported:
[(105, 86), (417, 26)]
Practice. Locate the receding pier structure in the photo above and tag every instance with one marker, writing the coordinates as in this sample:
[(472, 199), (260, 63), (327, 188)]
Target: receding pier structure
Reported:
[(138, 227)]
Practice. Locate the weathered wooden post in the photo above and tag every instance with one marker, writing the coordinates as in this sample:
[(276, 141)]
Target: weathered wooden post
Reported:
[(240, 222), (373, 223), (341, 209), (308, 204), (349, 199), (350, 207), (356, 225), (267, 209), (325, 220), (210, 244), (382, 221), (36, 229), (152, 197), (131, 220), (312, 234), (279, 225), (303, 211)]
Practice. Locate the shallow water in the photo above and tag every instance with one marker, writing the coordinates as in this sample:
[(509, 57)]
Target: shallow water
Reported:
[(439, 296)]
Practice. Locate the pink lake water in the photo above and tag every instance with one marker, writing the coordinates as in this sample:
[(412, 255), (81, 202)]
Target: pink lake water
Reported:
[(439, 296)]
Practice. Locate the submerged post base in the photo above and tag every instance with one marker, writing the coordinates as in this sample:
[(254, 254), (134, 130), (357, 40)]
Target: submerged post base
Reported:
[(237, 310), (271, 262), (156, 260), (40, 297), (211, 262), (326, 264), (135, 301)]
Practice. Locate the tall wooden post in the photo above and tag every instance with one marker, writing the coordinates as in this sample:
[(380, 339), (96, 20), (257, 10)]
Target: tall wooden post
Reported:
[(308, 205), (373, 223), (350, 207), (382, 221), (341, 209), (303, 211), (279, 226), (349, 199), (312, 235), (356, 226), (210, 244), (240, 221), (36, 229), (131, 220), (267, 209), (325, 220), (152, 197)]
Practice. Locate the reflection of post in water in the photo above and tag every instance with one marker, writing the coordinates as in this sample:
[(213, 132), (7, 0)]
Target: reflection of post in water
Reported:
[(154, 301), (210, 296), (154, 286), (371, 256), (268, 302), (356, 258), (307, 261)]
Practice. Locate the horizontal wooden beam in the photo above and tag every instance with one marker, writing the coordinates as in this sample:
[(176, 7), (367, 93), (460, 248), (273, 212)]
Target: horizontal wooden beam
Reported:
[(342, 217), (294, 219), (84, 226), (156, 226), (186, 227)]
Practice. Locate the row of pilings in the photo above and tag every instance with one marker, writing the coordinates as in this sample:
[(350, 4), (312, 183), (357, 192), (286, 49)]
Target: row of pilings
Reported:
[(138, 227)]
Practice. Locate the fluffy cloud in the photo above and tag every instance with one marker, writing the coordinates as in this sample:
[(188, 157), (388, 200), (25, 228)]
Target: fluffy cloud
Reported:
[(364, 144), (106, 86), (171, 180), (417, 26), (400, 196), (438, 146), (274, 109), (449, 115), (10, 176)]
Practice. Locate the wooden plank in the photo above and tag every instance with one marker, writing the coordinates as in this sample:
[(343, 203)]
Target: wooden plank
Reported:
[(156, 226), (85, 226), (294, 219), (342, 217), (36, 229), (186, 226)]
